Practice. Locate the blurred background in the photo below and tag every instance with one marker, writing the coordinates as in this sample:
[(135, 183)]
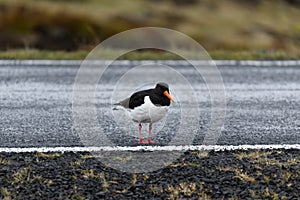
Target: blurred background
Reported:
[(78, 25)]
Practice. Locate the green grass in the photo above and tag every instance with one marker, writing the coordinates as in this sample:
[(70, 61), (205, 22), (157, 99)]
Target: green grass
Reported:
[(255, 55), (147, 55), (42, 54)]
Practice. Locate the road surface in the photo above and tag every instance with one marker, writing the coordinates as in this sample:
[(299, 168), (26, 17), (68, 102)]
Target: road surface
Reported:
[(263, 101)]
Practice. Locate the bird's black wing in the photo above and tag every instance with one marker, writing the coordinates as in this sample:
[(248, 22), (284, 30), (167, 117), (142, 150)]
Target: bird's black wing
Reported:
[(137, 98)]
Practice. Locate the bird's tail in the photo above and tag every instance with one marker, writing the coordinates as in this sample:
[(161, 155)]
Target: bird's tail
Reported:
[(118, 106), (121, 105)]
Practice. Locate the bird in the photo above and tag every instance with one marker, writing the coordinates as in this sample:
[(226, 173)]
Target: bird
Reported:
[(147, 106)]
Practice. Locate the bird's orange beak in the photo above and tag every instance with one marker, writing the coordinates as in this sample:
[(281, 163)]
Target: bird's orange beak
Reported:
[(166, 93)]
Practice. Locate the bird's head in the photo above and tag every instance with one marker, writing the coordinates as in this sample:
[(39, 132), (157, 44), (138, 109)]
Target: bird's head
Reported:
[(163, 89)]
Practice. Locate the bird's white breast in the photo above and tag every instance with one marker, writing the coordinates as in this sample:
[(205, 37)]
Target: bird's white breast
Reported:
[(148, 112)]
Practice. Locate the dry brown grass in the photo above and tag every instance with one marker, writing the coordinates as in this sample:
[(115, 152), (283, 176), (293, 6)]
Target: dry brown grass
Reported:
[(239, 174), (48, 155)]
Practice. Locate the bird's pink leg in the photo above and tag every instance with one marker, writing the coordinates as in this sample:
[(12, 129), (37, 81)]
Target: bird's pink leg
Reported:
[(141, 141), (150, 141)]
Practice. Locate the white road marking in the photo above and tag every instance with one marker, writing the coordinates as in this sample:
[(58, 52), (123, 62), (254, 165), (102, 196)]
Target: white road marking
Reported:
[(272, 63), (148, 148)]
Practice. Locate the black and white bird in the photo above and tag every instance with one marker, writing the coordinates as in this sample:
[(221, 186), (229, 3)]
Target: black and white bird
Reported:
[(148, 106)]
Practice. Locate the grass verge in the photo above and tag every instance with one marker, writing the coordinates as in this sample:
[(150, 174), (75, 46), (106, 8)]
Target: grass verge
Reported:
[(149, 55)]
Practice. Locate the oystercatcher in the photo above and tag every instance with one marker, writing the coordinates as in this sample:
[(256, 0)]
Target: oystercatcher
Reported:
[(148, 106)]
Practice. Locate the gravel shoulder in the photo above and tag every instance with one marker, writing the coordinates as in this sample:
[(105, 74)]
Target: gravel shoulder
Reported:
[(240, 174)]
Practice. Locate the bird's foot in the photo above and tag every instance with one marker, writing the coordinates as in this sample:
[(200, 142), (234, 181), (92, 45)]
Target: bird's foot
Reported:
[(141, 141), (150, 141)]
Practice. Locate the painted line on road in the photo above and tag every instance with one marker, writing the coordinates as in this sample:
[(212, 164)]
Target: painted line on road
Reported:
[(271, 63), (148, 148)]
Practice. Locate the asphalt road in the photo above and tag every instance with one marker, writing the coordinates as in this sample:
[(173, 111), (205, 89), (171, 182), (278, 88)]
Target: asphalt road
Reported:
[(36, 105)]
